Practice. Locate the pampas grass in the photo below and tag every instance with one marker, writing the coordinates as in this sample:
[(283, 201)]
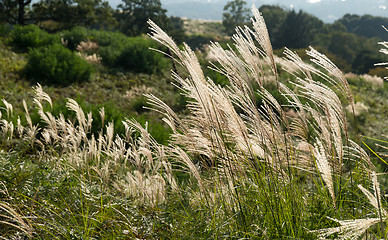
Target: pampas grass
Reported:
[(241, 142), (10, 216), (384, 50), (14, 219)]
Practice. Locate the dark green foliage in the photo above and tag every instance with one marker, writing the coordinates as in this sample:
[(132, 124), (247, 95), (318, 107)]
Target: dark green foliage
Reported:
[(378, 71), (31, 36), (344, 44), (138, 104), (217, 77), (133, 54), (74, 36), (56, 65), (13, 11), (343, 41), (298, 30), (366, 60), (366, 25), (175, 29), (336, 26), (353, 53), (275, 17), (235, 14), (5, 29), (70, 13), (138, 57), (106, 38), (134, 14), (8, 11), (197, 41), (157, 128), (77, 34)]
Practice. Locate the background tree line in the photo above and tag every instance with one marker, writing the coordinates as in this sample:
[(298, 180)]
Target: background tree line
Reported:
[(350, 41), (130, 17)]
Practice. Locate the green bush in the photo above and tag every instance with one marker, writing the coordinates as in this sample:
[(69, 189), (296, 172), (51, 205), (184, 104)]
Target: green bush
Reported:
[(107, 38), (56, 65), (134, 55), (5, 29), (74, 36), (378, 71), (138, 57), (130, 54), (24, 38), (197, 41), (104, 38)]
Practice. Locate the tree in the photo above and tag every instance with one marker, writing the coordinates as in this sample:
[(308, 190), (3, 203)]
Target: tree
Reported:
[(366, 25), (275, 17), (299, 30), (134, 14), (175, 29), (365, 61), (70, 13), (344, 44), (13, 11), (235, 14)]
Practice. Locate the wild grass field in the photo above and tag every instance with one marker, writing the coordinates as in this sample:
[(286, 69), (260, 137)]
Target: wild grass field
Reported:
[(256, 146)]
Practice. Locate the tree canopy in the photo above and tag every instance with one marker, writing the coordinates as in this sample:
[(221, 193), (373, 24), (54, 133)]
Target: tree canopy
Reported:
[(235, 14), (70, 13), (298, 30), (275, 17), (366, 25), (134, 14), (13, 11)]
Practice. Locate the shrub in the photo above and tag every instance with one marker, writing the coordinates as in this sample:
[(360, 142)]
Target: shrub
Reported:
[(5, 29), (133, 55), (107, 38), (76, 35), (378, 71), (24, 38), (119, 51), (197, 41), (73, 37), (56, 65)]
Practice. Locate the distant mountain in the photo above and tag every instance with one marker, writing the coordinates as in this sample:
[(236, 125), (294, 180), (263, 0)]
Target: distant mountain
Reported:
[(327, 10)]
